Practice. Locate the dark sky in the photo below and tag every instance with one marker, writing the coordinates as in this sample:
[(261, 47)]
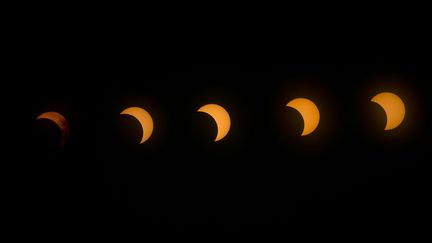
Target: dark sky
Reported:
[(348, 174), (348, 171)]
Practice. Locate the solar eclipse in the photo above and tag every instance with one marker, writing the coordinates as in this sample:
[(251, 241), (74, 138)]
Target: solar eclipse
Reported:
[(309, 111), (180, 171), (221, 117), (144, 118), (393, 107), (60, 121)]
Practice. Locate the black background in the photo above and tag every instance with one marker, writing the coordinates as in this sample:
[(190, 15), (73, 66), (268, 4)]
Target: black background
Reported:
[(263, 172), (348, 172)]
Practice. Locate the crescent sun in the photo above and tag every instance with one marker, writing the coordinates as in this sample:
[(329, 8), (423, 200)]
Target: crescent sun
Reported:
[(144, 118), (393, 107), (60, 121), (309, 112), (221, 117)]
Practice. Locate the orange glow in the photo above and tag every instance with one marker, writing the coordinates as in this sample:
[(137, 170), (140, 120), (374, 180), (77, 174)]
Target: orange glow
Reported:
[(221, 116), (309, 111), (144, 119), (60, 121), (393, 107)]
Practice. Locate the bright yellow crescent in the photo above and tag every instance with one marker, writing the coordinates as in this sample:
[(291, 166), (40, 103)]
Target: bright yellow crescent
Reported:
[(393, 107), (221, 116), (60, 121), (144, 119), (309, 111)]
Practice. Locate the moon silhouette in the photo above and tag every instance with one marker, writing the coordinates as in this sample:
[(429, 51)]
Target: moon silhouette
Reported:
[(143, 118), (393, 107), (221, 116), (309, 111), (60, 121)]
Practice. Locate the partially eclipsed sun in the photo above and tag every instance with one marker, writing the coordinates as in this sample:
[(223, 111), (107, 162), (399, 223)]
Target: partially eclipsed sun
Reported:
[(309, 111), (393, 107), (143, 118), (221, 117), (59, 120)]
